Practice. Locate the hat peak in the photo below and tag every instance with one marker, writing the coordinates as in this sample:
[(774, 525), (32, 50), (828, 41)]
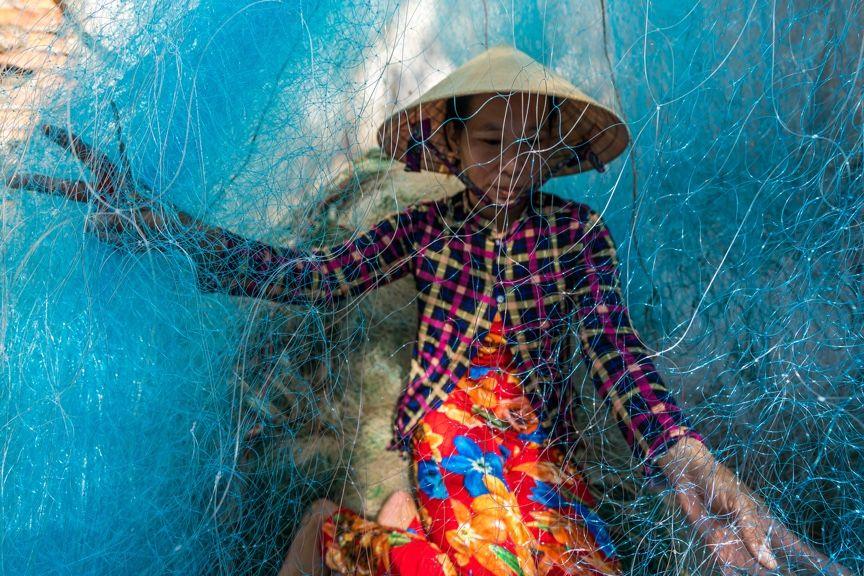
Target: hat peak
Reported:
[(503, 70), (502, 52)]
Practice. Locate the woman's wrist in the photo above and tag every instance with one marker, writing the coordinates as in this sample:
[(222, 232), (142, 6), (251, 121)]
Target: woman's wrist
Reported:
[(685, 453)]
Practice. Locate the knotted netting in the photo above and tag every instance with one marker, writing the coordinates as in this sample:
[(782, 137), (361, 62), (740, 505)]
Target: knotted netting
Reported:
[(150, 428)]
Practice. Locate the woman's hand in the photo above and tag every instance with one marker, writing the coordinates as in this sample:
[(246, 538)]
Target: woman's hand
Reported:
[(736, 525), (140, 225), (124, 215)]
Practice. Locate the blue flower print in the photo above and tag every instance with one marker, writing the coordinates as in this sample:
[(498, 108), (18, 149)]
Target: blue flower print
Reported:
[(537, 436), (471, 462), (430, 481), (546, 494), (477, 372)]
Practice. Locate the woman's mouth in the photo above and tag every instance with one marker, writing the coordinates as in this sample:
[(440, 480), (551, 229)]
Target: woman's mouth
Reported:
[(504, 197)]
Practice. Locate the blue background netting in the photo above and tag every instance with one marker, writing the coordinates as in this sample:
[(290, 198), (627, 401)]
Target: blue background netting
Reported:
[(737, 212)]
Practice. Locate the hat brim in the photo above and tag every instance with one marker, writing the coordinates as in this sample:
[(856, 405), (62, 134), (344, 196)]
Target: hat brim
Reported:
[(582, 122), (504, 70)]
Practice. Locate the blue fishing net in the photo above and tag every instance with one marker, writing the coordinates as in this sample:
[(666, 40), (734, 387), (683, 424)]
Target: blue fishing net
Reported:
[(129, 398)]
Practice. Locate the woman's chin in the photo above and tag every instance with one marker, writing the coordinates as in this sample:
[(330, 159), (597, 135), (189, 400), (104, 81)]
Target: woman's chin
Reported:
[(502, 200)]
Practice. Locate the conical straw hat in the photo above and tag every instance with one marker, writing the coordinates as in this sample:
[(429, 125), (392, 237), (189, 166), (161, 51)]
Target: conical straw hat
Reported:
[(505, 70)]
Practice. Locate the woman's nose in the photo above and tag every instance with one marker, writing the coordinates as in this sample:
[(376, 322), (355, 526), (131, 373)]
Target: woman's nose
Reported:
[(516, 157)]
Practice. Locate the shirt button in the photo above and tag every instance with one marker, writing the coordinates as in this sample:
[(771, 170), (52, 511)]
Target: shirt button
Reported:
[(499, 299)]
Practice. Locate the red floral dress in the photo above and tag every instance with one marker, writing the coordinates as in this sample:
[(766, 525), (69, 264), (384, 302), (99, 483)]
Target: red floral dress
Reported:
[(494, 497)]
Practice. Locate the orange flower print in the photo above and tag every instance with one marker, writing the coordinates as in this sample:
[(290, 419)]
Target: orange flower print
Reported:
[(518, 412), (433, 439), (543, 471), (565, 531), (555, 557), (502, 504), (425, 517), (459, 416), (482, 392), (358, 546), (446, 565), (574, 545), (479, 536)]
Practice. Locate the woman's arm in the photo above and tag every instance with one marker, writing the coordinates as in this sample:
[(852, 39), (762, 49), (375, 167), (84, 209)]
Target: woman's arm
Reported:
[(617, 361), (228, 263), (736, 525)]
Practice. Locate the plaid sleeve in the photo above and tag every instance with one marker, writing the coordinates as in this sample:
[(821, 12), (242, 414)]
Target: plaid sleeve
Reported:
[(230, 264), (618, 362)]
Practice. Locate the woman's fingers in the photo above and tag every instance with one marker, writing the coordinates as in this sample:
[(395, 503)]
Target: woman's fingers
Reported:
[(691, 503), (728, 550), (793, 549), (107, 226), (733, 550), (128, 229), (730, 496), (753, 532), (717, 537), (135, 226), (796, 550), (739, 529), (76, 190)]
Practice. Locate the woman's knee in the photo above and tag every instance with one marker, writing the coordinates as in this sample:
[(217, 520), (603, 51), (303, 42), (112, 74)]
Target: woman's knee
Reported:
[(321, 508), (398, 510)]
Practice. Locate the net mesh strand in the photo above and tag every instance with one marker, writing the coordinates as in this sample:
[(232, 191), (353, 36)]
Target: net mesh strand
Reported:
[(150, 428)]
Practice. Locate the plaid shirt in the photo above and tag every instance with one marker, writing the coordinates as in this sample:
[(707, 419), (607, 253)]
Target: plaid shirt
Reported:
[(553, 270)]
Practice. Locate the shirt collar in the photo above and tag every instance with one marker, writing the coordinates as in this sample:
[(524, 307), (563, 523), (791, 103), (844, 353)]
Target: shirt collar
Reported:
[(475, 221)]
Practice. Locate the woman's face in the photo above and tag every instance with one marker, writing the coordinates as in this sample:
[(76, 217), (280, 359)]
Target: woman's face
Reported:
[(504, 144)]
